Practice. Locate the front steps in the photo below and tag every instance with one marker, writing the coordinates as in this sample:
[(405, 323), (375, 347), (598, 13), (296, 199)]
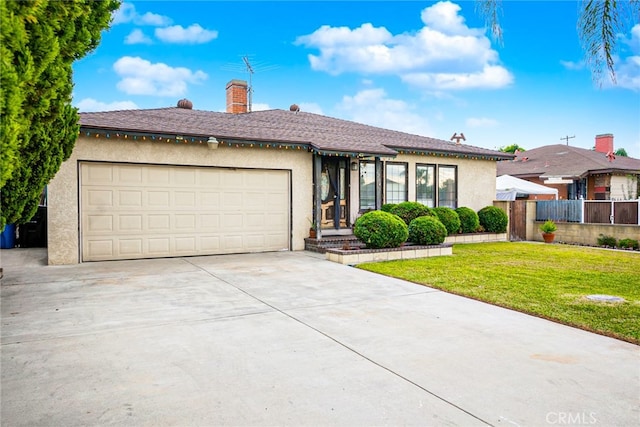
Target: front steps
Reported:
[(336, 242)]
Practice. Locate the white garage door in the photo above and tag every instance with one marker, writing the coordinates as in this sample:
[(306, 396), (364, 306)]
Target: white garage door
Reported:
[(147, 211)]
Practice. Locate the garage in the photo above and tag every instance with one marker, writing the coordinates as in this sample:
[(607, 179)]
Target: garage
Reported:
[(132, 211)]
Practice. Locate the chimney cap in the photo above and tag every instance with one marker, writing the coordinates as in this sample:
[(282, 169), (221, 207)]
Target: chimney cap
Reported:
[(185, 103)]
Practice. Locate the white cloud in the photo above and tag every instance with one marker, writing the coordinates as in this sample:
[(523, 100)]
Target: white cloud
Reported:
[(141, 77), (137, 37), (628, 69), (373, 107), (90, 104), (571, 65), (491, 77), (127, 14), (444, 51), (152, 19), (193, 34), (481, 122), (634, 41), (628, 73)]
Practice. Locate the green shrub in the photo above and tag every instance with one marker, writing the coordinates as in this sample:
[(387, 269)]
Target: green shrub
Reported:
[(388, 207), (469, 221), (629, 243), (427, 230), (449, 218), (493, 219), (408, 211), (607, 241), (378, 229)]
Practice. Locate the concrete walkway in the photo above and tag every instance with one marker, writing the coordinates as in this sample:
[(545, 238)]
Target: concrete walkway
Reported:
[(288, 339)]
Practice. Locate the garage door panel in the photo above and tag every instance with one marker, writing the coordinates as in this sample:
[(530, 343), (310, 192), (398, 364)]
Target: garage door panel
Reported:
[(185, 244), (100, 198), (131, 176), (158, 176), (159, 246), (99, 223), (130, 247), (158, 199), (159, 223), (185, 222), (143, 211), (210, 243), (99, 174), (128, 198), (184, 177), (101, 248), (209, 222)]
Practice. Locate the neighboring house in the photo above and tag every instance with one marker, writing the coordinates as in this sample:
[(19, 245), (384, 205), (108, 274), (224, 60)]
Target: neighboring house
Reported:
[(179, 181), (576, 172)]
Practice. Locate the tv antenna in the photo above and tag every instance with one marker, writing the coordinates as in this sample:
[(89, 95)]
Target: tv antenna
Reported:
[(250, 66), (567, 138), (245, 59)]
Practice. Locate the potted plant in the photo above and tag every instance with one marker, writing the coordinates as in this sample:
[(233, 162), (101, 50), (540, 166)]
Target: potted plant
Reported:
[(312, 228), (548, 229)]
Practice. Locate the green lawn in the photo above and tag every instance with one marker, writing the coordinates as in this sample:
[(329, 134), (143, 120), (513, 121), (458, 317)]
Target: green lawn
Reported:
[(550, 281)]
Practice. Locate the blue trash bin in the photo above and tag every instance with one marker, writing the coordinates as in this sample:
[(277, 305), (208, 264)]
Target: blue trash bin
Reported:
[(8, 237)]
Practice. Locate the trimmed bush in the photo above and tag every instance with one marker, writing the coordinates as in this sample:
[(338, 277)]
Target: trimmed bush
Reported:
[(427, 230), (469, 221), (493, 219), (629, 244), (378, 229), (449, 218), (607, 241), (388, 207), (408, 211)]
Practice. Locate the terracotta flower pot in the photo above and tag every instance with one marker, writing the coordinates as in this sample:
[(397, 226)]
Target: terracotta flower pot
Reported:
[(548, 237)]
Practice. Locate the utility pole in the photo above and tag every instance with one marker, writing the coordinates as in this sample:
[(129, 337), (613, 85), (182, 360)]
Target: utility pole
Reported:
[(567, 138)]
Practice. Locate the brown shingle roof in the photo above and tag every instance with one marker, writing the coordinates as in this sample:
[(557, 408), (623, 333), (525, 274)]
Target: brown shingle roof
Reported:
[(565, 161), (319, 132)]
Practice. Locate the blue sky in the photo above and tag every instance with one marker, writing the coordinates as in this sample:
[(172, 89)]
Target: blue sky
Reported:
[(424, 67)]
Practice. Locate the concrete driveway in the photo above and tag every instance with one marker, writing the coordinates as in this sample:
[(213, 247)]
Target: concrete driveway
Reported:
[(288, 339)]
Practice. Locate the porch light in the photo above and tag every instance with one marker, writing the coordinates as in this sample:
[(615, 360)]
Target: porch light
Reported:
[(354, 166), (212, 143)]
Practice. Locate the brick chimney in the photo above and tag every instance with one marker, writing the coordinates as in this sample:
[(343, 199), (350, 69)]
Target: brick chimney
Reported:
[(604, 143), (237, 97)]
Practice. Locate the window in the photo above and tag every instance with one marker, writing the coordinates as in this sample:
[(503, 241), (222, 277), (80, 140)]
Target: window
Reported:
[(425, 185), (447, 186), (367, 185), (396, 182)]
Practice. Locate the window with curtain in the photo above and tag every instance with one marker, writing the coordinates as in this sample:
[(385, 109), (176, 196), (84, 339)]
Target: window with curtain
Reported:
[(448, 186), (396, 182), (425, 185), (367, 185)]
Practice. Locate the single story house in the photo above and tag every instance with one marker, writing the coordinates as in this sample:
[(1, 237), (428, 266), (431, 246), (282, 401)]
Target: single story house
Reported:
[(180, 181), (576, 173)]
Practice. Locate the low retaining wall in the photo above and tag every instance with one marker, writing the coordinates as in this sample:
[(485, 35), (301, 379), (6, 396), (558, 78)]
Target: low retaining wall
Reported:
[(587, 234), (359, 256), (476, 238)]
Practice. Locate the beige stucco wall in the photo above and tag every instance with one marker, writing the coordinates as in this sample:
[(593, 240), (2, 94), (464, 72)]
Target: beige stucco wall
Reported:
[(63, 225)]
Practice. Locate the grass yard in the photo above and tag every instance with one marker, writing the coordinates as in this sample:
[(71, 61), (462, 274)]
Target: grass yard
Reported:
[(550, 281)]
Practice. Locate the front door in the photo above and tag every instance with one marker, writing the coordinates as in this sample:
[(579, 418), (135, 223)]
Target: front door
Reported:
[(334, 192)]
